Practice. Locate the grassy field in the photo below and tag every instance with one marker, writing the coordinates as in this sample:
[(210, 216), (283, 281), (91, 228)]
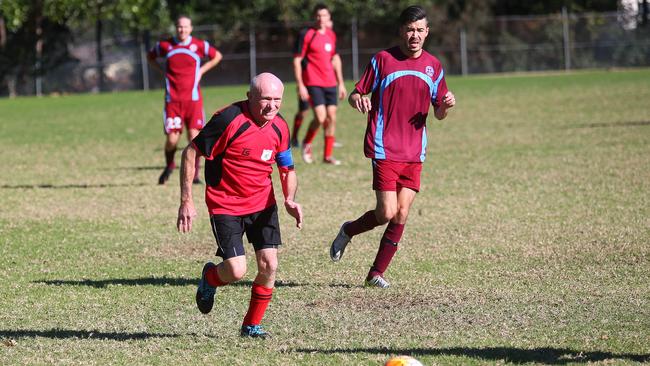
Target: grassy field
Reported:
[(529, 243)]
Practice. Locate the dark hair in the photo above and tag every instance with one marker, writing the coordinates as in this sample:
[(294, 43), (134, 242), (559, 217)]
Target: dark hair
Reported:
[(320, 6), (412, 14)]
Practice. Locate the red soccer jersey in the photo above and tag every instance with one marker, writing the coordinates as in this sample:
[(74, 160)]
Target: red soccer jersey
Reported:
[(317, 50), (239, 157), (183, 62), (402, 89)]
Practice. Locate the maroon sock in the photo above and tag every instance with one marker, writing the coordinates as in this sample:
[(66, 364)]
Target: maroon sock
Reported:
[(297, 122), (366, 222), (169, 158), (212, 276), (387, 249), (311, 134)]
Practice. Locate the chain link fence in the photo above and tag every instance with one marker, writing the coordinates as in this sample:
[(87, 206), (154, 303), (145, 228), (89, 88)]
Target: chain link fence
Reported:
[(501, 44)]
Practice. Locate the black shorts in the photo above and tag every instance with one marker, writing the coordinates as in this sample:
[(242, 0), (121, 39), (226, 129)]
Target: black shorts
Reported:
[(320, 95), (262, 230)]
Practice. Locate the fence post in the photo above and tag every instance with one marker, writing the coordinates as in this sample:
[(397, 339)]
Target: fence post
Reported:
[(252, 53), (463, 51), (143, 60), (565, 34), (355, 48)]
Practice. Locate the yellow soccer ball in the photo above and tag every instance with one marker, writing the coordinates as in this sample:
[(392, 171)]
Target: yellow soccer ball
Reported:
[(402, 361)]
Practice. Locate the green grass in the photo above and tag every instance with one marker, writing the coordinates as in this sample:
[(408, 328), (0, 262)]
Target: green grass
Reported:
[(529, 242)]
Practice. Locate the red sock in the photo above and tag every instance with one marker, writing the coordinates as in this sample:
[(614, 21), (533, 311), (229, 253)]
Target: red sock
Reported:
[(309, 137), (260, 298), (213, 277), (169, 158), (366, 222), (197, 166), (329, 147), (387, 249), (297, 122)]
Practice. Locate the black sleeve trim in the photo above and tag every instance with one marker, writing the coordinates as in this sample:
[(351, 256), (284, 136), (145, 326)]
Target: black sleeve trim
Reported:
[(214, 129)]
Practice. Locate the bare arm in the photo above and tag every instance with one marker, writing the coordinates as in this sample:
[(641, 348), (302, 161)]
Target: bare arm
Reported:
[(448, 101), (338, 69), (297, 73), (212, 63), (289, 181), (186, 211), (359, 102)]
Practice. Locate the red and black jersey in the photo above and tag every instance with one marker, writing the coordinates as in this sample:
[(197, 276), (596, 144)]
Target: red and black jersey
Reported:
[(317, 50), (239, 157)]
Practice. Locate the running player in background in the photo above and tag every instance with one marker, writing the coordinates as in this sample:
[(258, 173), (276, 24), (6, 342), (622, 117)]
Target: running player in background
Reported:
[(240, 144), (318, 72), (183, 99), (404, 80)]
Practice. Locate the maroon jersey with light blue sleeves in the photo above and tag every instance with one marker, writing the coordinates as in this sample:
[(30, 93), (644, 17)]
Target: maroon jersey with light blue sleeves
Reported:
[(183, 64), (402, 90)]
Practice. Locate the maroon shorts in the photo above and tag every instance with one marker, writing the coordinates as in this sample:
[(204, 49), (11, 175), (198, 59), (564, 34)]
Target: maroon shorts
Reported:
[(179, 114), (392, 176)]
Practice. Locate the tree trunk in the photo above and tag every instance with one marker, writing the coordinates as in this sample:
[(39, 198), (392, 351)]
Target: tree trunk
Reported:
[(100, 56)]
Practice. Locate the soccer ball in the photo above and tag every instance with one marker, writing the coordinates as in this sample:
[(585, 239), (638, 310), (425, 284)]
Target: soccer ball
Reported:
[(402, 361)]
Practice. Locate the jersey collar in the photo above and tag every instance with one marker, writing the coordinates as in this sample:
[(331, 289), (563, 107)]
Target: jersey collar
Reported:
[(187, 41)]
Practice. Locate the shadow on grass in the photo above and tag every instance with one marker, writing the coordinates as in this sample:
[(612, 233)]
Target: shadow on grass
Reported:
[(345, 285), (613, 124), (70, 186), (85, 334), (138, 168), (149, 281), (553, 356)]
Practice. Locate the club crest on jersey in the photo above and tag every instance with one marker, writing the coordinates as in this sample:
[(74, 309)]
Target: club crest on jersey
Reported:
[(266, 154), (193, 47), (429, 71), (328, 47)]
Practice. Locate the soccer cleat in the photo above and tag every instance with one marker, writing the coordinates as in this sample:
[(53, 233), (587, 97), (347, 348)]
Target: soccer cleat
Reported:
[(306, 154), (338, 245), (197, 180), (205, 292), (377, 281), (164, 177), (294, 142), (254, 331), (331, 161)]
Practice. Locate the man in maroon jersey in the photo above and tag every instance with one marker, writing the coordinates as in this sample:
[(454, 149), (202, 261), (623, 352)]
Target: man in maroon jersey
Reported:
[(403, 81), (317, 69), (183, 100), (240, 144)]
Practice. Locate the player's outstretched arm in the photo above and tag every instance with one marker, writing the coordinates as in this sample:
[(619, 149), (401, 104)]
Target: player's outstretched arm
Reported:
[(289, 181), (359, 102), (448, 101), (186, 211)]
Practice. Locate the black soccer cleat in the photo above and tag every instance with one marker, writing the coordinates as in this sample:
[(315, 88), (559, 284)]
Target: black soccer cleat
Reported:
[(205, 292), (164, 177)]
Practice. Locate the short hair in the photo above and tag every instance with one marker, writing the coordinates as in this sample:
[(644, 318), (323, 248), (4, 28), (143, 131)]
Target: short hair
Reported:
[(320, 6), (181, 16), (412, 14)]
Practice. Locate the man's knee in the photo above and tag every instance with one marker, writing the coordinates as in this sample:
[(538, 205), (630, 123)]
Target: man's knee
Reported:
[(384, 214), (234, 270), (267, 267)]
